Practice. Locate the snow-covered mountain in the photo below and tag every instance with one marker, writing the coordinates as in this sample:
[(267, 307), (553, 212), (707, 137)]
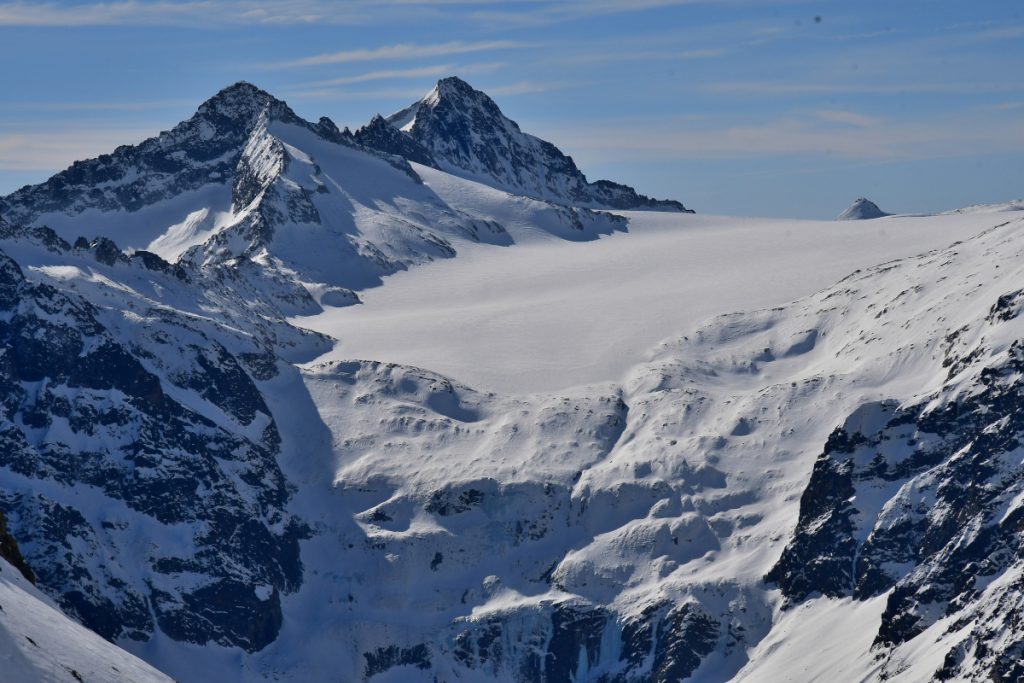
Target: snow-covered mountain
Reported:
[(861, 209), (824, 487), (244, 187), (458, 129)]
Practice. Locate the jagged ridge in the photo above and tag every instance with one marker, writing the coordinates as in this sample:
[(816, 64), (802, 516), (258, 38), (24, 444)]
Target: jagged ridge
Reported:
[(457, 128)]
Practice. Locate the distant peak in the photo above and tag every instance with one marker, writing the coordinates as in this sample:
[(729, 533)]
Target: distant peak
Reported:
[(861, 209)]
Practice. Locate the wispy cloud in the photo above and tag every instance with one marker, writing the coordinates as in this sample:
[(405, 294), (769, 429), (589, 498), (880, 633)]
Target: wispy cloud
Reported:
[(51, 150), (95, 106), (381, 94), (525, 87), (402, 74), (206, 13), (384, 94), (783, 89), (569, 10), (385, 74), (403, 51), (847, 118), (589, 58), (289, 12), (200, 13), (793, 135)]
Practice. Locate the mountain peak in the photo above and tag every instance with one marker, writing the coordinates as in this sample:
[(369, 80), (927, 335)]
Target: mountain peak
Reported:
[(460, 129), (453, 85), (861, 209), (241, 101)]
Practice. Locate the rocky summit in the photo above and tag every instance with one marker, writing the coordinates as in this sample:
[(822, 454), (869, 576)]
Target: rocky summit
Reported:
[(460, 129)]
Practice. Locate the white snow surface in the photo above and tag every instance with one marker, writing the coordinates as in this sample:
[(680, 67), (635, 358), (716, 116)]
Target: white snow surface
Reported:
[(39, 644), (548, 314)]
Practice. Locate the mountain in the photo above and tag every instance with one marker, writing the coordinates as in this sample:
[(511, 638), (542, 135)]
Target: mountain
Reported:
[(861, 209), (241, 190), (458, 129), (197, 476)]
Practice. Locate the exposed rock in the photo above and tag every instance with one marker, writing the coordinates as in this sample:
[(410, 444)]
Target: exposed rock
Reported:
[(456, 127)]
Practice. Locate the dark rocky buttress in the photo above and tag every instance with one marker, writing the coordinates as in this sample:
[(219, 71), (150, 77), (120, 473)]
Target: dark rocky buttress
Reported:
[(100, 461), (927, 506)]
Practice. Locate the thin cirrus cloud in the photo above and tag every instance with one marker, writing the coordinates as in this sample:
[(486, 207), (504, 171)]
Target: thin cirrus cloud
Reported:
[(403, 51), (400, 74), (847, 118), (288, 12), (96, 106), (569, 10), (783, 89), (134, 13), (508, 90), (203, 13), (867, 139), (49, 150)]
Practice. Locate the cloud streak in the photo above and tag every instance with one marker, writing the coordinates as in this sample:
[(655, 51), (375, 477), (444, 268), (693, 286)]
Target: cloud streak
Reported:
[(842, 135), (51, 150), (401, 74), (787, 89), (403, 51), (298, 12)]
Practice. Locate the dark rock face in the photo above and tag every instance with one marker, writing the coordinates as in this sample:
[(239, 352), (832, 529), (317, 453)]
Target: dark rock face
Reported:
[(151, 261), (95, 449), (380, 135), (9, 551), (457, 127), (667, 643), (384, 658), (926, 505), (560, 639)]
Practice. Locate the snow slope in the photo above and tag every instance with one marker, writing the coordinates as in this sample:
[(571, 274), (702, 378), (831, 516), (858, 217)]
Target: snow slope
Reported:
[(551, 314), (39, 644)]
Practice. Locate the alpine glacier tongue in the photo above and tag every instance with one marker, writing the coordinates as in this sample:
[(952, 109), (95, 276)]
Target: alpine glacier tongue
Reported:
[(462, 130)]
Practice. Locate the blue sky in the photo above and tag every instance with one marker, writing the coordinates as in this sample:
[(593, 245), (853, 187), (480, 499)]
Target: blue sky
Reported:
[(790, 108)]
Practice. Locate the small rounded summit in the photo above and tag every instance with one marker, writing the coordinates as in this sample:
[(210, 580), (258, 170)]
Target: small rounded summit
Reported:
[(861, 209)]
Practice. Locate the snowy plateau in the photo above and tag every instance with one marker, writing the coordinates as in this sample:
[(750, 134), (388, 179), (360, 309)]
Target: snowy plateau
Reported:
[(281, 401)]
